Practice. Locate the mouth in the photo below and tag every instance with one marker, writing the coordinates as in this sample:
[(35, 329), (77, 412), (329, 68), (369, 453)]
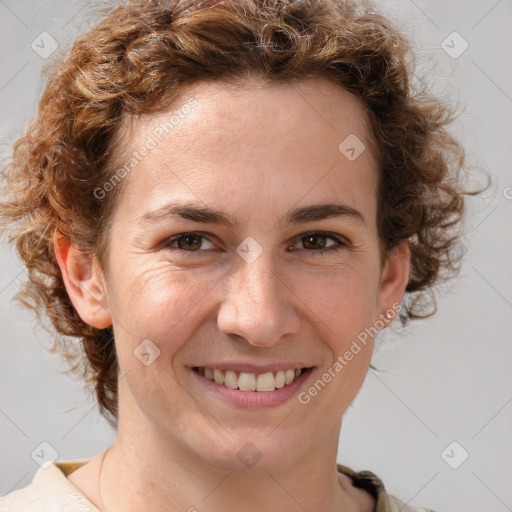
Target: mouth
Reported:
[(246, 381), (251, 390)]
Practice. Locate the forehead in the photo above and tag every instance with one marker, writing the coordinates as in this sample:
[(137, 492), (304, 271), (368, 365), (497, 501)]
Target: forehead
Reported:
[(254, 109), (253, 136)]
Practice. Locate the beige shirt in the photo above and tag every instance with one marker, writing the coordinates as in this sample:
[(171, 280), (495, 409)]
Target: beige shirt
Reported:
[(51, 491)]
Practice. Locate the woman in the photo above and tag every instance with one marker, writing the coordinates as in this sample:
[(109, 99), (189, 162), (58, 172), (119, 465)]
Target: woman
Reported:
[(225, 202)]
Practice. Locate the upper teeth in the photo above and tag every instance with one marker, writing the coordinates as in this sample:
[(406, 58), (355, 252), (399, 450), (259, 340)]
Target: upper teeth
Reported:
[(251, 381)]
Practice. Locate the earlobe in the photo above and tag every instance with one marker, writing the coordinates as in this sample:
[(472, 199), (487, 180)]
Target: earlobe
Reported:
[(84, 282), (395, 277)]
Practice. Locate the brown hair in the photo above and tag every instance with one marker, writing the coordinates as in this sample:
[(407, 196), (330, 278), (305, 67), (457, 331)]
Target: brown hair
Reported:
[(141, 56)]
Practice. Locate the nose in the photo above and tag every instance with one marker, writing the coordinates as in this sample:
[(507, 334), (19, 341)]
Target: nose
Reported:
[(259, 304)]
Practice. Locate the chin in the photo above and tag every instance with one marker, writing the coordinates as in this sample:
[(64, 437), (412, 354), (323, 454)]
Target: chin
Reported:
[(254, 451)]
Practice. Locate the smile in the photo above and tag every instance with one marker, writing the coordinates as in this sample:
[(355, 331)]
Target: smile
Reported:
[(251, 390), (245, 381)]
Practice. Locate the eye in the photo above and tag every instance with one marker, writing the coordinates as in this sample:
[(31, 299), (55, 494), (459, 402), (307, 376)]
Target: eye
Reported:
[(191, 242), (317, 241)]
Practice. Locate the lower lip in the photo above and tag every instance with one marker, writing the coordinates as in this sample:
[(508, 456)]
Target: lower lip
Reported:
[(255, 399)]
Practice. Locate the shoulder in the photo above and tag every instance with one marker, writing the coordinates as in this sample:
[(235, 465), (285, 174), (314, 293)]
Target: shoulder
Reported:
[(396, 505), (372, 484), (49, 491)]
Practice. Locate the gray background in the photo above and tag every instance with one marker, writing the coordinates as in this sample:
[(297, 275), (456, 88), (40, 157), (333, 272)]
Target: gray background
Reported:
[(445, 379)]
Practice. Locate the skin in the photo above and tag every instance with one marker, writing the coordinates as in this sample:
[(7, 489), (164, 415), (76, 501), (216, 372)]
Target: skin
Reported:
[(254, 151)]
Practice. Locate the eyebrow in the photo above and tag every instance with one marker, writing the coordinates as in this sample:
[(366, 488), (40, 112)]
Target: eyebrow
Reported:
[(212, 216)]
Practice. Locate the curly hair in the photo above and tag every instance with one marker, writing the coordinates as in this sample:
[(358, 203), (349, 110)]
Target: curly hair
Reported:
[(141, 56)]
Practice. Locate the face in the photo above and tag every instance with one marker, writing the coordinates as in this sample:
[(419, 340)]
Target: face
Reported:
[(223, 253)]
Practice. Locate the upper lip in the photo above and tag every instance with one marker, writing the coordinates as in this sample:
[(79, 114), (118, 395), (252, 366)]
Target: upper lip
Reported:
[(254, 368)]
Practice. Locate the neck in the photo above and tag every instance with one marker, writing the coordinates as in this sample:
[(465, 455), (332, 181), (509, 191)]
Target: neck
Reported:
[(135, 477)]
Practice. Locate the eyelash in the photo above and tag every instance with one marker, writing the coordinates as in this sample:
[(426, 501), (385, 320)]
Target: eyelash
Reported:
[(333, 248)]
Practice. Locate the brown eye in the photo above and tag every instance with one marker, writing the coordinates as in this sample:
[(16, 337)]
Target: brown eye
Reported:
[(190, 242), (315, 242), (321, 242)]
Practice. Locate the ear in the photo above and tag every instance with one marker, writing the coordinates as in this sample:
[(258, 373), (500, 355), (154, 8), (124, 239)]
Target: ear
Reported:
[(394, 279), (84, 282)]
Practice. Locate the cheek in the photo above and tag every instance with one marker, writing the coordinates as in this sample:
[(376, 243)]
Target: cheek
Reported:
[(164, 307), (158, 304), (344, 299), (344, 307)]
